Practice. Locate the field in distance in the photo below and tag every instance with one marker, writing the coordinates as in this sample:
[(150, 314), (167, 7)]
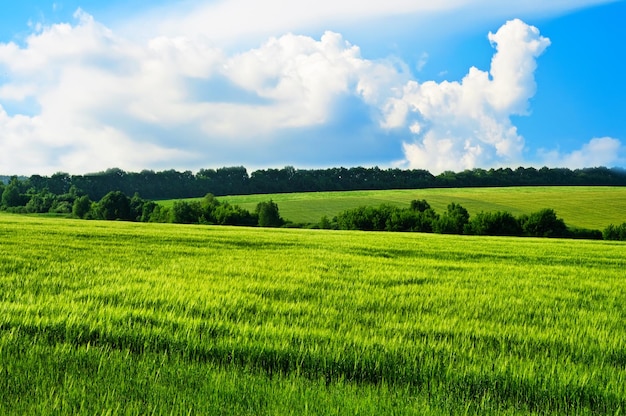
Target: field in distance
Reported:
[(584, 207), (102, 317)]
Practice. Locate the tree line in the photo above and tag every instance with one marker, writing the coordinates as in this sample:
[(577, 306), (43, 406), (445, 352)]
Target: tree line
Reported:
[(171, 184), (420, 217), (116, 205)]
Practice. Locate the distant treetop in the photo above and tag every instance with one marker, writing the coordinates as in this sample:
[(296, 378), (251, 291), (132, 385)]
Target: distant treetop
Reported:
[(170, 184)]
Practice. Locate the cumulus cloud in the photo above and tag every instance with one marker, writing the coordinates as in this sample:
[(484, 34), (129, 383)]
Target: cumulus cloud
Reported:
[(82, 78), (101, 100), (303, 76), (601, 151), (81, 97), (462, 125)]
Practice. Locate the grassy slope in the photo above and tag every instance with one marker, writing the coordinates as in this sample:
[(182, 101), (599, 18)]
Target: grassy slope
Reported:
[(122, 318), (587, 207)]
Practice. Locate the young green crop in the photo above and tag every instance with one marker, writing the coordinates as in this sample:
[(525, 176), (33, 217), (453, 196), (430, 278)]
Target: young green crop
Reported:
[(123, 318)]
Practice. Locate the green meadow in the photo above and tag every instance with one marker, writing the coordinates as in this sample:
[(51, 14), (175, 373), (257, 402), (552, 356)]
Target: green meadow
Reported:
[(583, 207), (116, 318)]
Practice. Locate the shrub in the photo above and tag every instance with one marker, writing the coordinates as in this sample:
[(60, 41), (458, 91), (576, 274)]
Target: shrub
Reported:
[(186, 212), (613, 232), (81, 206), (453, 221), (494, 223), (543, 223)]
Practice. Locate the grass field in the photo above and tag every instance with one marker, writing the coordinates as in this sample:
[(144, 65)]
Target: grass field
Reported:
[(127, 318), (585, 207)]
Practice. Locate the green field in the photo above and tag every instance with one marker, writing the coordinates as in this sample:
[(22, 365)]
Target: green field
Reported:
[(584, 207), (133, 318)]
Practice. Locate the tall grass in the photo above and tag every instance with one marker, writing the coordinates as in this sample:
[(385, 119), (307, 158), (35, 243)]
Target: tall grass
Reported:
[(120, 318)]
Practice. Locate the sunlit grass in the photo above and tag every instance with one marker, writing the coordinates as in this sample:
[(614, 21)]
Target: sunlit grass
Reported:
[(123, 318)]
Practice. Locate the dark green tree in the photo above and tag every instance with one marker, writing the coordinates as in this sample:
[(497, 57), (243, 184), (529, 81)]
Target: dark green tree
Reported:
[(59, 183), (81, 206), (147, 211), (153, 212), (40, 202), (325, 223), (615, 232), (226, 214), (494, 223), (114, 206), (420, 205), (360, 218), (268, 214), (402, 220), (418, 221), (453, 221), (209, 205), (543, 223), (186, 212), (11, 196), (136, 207)]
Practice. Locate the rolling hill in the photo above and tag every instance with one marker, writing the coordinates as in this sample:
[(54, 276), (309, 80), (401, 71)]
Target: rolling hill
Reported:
[(593, 207)]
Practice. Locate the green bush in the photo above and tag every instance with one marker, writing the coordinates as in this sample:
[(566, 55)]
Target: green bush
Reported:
[(615, 232), (494, 223)]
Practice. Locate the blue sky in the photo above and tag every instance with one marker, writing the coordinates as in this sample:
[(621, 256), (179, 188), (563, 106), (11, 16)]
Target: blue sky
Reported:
[(450, 85)]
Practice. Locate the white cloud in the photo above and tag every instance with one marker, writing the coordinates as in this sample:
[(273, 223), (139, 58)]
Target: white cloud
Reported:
[(78, 75), (462, 125), (99, 99), (104, 101), (302, 77), (602, 151)]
